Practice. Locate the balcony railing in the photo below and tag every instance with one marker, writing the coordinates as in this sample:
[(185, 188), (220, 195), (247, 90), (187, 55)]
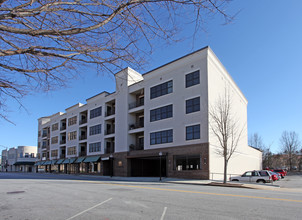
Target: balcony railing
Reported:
[(63, 127), (109, 131), (138, 103), (111, 112), (63, 142), (83, 121), (109, 150), (62, 156), (83, 154), (136, 125), (83, 137), (136, 147)]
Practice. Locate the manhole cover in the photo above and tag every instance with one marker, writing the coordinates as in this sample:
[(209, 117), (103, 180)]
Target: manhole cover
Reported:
[(15, 192)]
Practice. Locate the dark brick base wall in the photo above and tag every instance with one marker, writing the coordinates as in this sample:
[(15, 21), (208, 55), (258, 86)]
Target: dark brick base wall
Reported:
[(122, 161)]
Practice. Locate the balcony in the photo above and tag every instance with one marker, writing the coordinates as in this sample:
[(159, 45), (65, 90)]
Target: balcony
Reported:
[(109, 113), (62, 156), (63, 127), (83, 121), (63, 142), (109, 150), (109, 131), (82, 137), (138, 103), (82, 153), (136, 147), (136, 125)]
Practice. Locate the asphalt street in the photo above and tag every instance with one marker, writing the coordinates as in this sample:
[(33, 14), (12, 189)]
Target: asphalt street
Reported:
[(48, 196)]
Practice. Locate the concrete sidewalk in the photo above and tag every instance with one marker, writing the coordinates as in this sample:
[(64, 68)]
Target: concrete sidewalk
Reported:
[(267, 186)]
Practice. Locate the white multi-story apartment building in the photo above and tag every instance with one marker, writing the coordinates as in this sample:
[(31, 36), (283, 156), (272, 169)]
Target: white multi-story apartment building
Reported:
[(153, 124), (20, 159)]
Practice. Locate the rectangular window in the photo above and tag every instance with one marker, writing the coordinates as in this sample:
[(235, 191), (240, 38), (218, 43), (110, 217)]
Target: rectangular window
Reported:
[(193, 132), (72, 121), (97, 129), (192, 105), (55, 127), (161, 113), (161, 137), (54, 153), (96, 112), (192, 79), (54, 140), (95, 147), (71, 151), (162, 89), (187, 162), (72, 135)]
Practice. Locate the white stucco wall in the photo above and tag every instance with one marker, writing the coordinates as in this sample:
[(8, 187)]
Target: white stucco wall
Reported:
[(244, 158)]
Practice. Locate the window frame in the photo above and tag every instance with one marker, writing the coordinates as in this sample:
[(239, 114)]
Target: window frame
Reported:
[(161, 89), (161, 113), (161, 137), (192, 78), (192, 105), (96, 129), (195, 133), (96, 112)]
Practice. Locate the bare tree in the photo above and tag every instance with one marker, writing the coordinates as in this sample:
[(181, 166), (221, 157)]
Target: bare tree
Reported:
[(226, 128), (255, 140), (290, 143), (44, 42)]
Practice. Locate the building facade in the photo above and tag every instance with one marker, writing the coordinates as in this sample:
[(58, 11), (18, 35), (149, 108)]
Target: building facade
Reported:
[(20, 159), (155, 124)]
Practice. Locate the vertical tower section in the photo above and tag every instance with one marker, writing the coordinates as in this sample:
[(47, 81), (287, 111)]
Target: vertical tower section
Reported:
[(124, 79)]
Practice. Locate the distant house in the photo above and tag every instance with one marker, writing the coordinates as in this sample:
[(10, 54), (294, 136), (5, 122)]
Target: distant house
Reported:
[(20, 159), (153, 124)]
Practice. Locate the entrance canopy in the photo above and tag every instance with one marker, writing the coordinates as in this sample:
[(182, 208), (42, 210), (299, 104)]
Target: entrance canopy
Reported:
[(91, 159)]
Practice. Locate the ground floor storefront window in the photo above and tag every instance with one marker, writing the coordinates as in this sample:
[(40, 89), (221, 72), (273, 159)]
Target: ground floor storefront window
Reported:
[(187, 162)]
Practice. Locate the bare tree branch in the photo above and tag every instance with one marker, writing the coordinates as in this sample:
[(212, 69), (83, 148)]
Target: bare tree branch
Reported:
[(225, 127), (44, 42)]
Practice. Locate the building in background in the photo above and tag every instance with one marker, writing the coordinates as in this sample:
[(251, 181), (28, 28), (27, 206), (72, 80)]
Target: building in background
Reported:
[(20, 159), (155, 124)]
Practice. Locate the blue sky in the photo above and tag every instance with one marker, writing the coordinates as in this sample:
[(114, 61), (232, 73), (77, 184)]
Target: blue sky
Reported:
[(261, 49)]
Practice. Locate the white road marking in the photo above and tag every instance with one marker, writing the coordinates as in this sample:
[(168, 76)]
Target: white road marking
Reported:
[(89, 209), (164, 213)]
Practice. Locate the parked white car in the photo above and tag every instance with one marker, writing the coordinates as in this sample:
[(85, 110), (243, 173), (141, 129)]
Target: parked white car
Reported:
[(256, 176)]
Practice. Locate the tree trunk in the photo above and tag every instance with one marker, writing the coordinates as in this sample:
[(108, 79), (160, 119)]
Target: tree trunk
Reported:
[(225, 171)]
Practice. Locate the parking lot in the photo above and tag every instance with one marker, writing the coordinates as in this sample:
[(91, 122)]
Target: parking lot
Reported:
[(50, 196)]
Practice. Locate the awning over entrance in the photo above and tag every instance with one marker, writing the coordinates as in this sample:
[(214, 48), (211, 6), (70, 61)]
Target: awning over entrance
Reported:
[(24, 163), (47, 163), (70, 160), (38, 163), (53, 162), (80, 160), (91, 159), (60, 161)]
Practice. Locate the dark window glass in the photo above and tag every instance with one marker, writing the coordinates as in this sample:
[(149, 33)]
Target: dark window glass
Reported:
[(96, 112), (161, 137), (95, 147), (161, 113), (193, 132), (162, 89), (97, 129), (192, 79), (187, 162), (192, 105)]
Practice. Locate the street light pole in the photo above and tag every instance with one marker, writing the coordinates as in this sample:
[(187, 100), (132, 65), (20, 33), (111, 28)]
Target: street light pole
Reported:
[(111, 165), (160, 154)]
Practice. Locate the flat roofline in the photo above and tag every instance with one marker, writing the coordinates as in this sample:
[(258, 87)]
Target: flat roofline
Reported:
[(206, 47), (104, 92)]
